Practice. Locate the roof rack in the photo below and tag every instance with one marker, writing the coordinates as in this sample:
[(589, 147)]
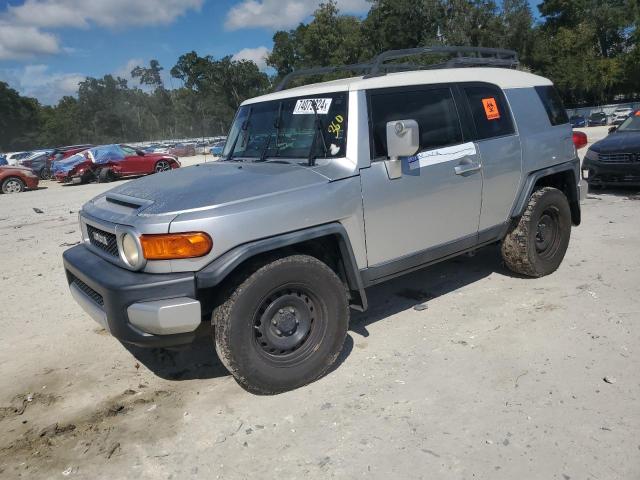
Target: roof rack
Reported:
[(460, 57)]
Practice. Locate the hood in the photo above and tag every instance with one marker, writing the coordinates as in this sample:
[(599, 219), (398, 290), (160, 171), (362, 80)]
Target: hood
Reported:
[(67, 164), (618, 142), (211, 184)]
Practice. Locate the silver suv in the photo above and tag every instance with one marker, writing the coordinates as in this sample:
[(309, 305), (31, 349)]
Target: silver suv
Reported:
[(322, 191)]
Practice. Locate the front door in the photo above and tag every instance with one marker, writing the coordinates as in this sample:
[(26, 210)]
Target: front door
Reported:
[(433, 209)]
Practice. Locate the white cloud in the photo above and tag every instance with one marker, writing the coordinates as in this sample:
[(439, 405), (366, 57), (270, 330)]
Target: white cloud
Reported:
[(281, 14), (37, 81), (18, 42), (257, 55), (109, 13), (22, 27)]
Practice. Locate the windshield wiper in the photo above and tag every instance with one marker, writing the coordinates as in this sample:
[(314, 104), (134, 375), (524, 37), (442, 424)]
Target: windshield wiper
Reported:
[(319, 129), (245, 129), (276, 125)]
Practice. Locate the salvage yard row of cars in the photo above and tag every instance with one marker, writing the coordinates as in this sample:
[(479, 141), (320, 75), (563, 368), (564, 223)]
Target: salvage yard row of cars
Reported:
[(77, 164)]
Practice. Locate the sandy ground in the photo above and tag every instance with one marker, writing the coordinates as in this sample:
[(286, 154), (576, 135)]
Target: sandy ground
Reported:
[(500, 377)]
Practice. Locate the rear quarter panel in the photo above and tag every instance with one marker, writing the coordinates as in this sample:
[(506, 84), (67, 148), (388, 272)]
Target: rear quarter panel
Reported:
[(543, 145)]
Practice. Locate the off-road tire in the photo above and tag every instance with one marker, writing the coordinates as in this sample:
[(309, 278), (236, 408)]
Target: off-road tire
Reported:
[(521, 248), (13, 185), (244, 334)]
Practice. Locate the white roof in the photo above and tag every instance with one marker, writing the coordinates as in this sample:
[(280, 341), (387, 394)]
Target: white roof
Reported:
[(502, 77)]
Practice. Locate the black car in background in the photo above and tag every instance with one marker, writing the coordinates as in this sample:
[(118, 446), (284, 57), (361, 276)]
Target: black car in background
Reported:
[(598, 119), (578, 121), (615, 160)]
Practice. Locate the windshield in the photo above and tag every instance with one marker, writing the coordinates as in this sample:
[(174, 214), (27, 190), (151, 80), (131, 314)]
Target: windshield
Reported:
[(631, 124), (290, 129)]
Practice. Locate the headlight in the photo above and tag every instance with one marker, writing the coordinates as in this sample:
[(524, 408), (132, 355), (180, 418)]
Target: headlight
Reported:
[(130, 249), (591, 155)]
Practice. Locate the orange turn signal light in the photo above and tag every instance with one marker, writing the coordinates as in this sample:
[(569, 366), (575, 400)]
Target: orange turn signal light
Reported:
[(173, 246)]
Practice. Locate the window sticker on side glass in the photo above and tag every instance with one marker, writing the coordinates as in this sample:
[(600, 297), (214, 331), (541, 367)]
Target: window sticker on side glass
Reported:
[(305, 106), (491, 108), (440, 155)]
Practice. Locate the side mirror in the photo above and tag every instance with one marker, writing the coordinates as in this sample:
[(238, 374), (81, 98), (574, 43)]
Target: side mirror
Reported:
[(140, 153), (612, 129), (403, 140)]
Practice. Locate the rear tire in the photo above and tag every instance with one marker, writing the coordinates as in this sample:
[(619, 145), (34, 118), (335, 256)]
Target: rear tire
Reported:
[(283, 325), (45, 174), (538, 243), (13, 185), (162, 166)]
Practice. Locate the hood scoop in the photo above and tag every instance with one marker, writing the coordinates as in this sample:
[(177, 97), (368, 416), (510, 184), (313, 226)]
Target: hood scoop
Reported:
[(127, 201)]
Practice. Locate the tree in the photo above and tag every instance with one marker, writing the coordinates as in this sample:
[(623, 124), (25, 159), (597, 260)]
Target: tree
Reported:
[(149, 76)]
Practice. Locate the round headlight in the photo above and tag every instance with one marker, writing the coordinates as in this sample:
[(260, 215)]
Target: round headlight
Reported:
[(130, 249)]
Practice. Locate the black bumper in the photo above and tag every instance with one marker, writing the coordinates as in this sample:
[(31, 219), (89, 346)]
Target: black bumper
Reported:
[(601, 173), (113, 289)]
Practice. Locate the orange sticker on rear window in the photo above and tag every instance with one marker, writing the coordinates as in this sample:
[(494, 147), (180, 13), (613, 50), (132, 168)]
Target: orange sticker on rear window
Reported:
[(491, 108)]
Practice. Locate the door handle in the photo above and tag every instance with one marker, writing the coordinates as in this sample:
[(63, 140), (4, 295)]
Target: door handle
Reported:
[(464, 168)]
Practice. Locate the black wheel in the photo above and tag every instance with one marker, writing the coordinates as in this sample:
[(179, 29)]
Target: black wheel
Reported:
[(162, 166), (13, 185), (536, 246), (105, 176), (282, 326), (45, 174)]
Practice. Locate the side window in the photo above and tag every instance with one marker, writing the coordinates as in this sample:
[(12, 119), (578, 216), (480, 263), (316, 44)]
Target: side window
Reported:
[(553, 105), (490, 111), (433, 109)]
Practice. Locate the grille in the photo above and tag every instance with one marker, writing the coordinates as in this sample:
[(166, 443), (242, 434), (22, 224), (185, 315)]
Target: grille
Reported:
[(90, 292), (105, 241), (616, 157)]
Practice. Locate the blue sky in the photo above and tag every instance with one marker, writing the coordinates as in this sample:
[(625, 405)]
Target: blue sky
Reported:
[(48, 46)]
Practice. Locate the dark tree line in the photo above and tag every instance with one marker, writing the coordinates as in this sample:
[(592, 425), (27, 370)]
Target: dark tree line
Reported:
[(589, 48)]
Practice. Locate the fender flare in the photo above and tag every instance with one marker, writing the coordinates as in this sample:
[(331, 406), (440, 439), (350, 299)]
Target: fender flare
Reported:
[(215, 272), (532, 179)]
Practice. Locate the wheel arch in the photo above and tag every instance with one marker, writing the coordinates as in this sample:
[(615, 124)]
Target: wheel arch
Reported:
[(565, 177), (328, 243)]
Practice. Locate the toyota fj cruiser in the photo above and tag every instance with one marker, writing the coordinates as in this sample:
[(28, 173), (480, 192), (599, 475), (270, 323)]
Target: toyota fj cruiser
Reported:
[(322, 191)]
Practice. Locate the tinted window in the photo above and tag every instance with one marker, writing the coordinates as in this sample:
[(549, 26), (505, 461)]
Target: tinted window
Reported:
[(553, 105), (433, 109), (491, 114)]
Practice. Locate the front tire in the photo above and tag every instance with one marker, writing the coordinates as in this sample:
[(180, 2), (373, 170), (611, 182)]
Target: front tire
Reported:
[(538, 243), (13, 185), (283, 325)]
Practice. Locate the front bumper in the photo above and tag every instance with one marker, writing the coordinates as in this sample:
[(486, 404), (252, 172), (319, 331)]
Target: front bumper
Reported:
[(155, 310), (31, 182), (601, 173)]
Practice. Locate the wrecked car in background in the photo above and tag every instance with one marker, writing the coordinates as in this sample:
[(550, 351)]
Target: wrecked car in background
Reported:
[(110, 162)]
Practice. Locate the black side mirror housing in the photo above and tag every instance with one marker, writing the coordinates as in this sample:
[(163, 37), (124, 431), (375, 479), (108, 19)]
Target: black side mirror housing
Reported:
[(140, 153), (612, 129)]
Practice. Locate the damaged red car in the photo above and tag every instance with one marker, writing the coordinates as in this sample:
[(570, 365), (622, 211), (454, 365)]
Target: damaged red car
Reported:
[(110, 162)]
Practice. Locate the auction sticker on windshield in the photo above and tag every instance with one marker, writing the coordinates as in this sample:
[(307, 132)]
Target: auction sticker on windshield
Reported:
[(305, 106)]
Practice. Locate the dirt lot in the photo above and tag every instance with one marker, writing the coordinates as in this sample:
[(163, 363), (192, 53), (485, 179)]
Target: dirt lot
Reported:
[(500, 377)]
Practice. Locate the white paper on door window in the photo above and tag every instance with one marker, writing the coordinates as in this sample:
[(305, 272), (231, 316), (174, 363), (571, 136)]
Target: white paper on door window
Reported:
[(439, 155)]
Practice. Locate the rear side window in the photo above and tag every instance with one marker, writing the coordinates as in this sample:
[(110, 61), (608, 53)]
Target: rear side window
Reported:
[(433, 109), (490, 111), (553, 105)]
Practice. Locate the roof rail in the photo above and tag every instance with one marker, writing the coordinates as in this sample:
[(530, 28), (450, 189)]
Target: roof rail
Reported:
[(460, 57)]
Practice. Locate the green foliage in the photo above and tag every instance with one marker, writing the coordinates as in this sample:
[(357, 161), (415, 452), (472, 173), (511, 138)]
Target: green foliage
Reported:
[(589, 48)]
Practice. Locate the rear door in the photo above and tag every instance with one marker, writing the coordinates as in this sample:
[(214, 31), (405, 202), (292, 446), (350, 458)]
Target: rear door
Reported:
[(501, 154), (434, 206)]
